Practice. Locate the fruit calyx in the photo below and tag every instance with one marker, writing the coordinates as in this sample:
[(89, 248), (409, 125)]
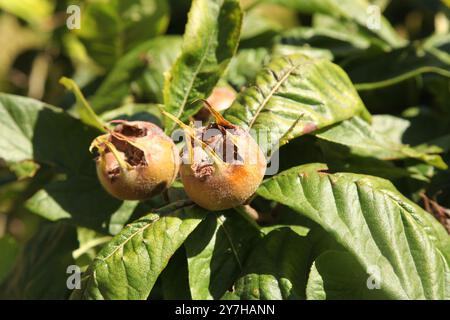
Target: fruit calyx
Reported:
[(122, 139)]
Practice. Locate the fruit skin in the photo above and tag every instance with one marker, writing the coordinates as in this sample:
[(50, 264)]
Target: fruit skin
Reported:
[(150, 169), (218, 187), (221, 98)]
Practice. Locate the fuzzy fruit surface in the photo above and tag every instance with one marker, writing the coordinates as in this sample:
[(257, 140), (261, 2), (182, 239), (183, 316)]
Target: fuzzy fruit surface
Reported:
[(217, 185), (145, 163)]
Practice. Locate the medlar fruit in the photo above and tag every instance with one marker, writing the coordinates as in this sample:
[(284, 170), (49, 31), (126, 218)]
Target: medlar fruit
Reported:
[(221, 98), (222, 165), (136, 160)]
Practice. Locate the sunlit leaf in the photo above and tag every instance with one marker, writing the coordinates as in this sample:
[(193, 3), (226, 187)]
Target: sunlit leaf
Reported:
[(111, 28), (295, 95), (138, 254), (216, 253), (378, 226), (210, 40), (363, 140)]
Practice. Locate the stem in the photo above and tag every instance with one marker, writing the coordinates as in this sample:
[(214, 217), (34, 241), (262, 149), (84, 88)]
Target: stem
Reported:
[(220, 120), (84, 109)]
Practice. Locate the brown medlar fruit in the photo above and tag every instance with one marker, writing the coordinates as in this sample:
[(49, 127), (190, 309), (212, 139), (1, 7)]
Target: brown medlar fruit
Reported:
[(136, 160), (222, 165)]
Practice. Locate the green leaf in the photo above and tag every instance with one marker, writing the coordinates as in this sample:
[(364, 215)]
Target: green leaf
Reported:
[(32, 130), (210, 40), (371, 71), (363, 140), (295, 95), (376, 224), (340, 159), (420, 130), (442, 142), (113, 27), (341, 44), (258, 30), (135, 112), (351, 31), (391, 126), (276, 269), (245, 65), (36, 12), (306, 50), (90, 244), (140, 73), (10, 250), (337, 275), (40, 271), (216, 251), (414, 128), (354, 10), (175, 277), (24, 169), (84, 110), (74, 198), (129, 265)]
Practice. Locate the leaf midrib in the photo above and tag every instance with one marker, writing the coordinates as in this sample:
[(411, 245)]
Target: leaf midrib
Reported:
[(272, 92), (196, 72), (233, 249), (92, 276)]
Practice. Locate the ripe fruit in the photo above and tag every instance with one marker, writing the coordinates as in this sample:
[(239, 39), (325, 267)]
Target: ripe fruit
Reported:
[(223, 166), (136, 160), (221, 98)]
